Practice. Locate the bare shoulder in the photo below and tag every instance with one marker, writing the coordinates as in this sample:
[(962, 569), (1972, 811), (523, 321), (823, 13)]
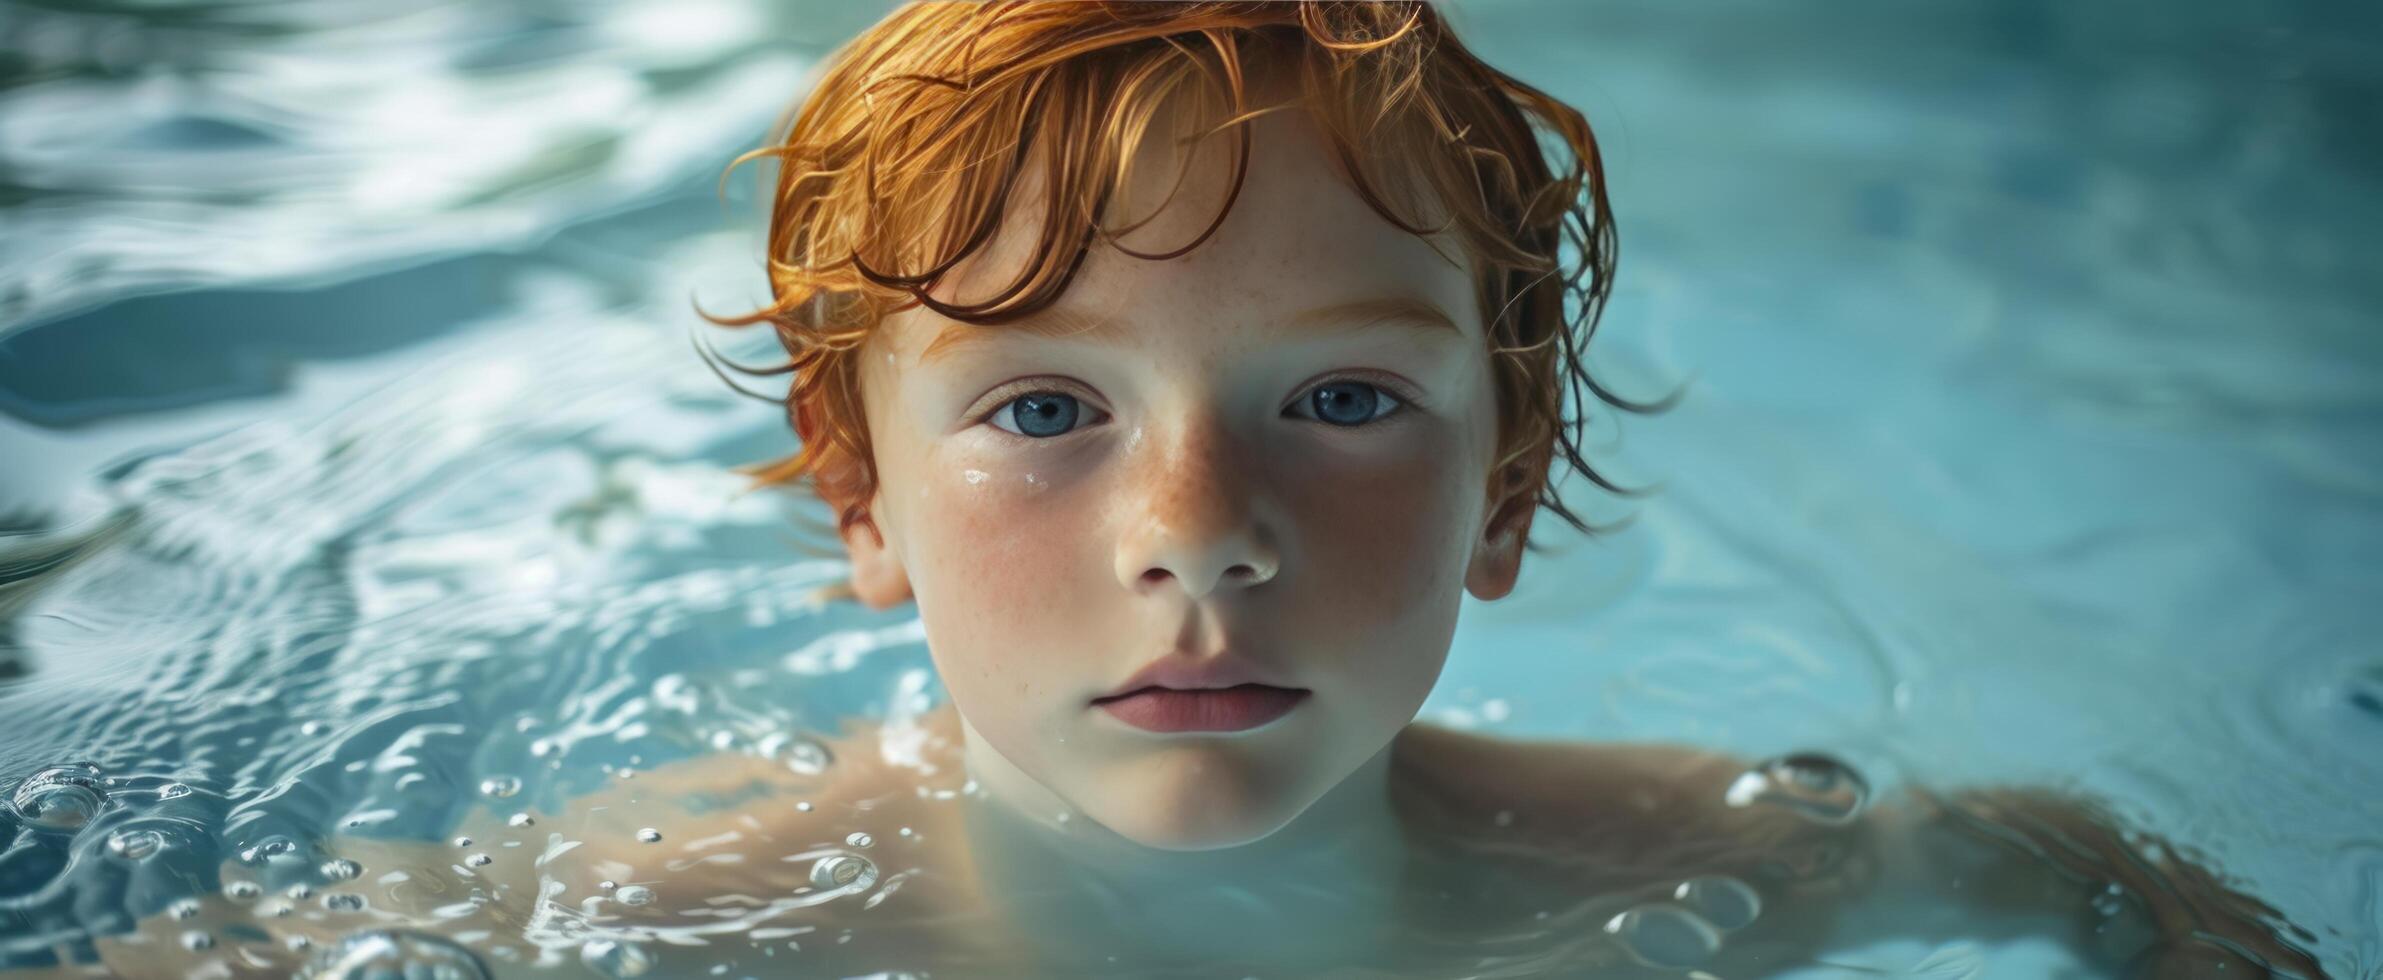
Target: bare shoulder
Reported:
[(631, 854), (1664, 811), (1562, 780)]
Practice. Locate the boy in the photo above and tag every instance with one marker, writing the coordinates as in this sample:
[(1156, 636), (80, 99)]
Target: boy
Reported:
[(1185, 365)]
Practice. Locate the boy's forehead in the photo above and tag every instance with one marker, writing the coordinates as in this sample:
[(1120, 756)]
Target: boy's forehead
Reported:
[(1298, 239)]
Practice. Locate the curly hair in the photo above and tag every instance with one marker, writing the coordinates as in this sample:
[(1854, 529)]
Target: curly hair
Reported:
[(899, 164)]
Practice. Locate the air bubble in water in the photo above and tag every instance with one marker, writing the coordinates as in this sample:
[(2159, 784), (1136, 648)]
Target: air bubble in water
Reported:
[(606, 885), (173, 791), (463, 842), (635, 895), (344, 902), (519, 820), (478, 860), (341, 869), (242, 890), (1815, 786), (616, 958), (844, 871), (195, 940), (500, 786), (803, 806), (803, 755), (396, 953), (860, 839), (183, 908), (133, 845), (649, 836), (1727, 903), (268, 849), (1665, 936), (301, 891), (311, 728), (60, 797)]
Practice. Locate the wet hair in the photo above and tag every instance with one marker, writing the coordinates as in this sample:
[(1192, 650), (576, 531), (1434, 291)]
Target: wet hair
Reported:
[(901, 160)]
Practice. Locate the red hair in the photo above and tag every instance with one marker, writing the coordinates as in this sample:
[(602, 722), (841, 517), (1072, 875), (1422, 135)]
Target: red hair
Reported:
[(900, 162)]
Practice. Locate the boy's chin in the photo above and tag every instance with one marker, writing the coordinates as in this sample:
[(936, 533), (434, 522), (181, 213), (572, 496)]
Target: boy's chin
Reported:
[(1194, 805)]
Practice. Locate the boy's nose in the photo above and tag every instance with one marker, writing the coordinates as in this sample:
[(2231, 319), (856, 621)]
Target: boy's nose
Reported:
[(1198, 524)]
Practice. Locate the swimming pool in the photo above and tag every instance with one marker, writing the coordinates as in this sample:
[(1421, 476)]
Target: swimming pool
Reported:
[(365, 473)]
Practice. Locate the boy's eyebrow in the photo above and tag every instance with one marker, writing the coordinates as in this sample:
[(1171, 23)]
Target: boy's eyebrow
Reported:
[(1395, 311)]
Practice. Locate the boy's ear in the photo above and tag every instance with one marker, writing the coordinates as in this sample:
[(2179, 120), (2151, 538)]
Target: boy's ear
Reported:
[(1497, 553), (878, 578)]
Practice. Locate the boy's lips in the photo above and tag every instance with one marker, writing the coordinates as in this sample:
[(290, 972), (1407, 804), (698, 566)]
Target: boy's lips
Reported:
[(1184, 673), (1220, 693), (1231, 709)]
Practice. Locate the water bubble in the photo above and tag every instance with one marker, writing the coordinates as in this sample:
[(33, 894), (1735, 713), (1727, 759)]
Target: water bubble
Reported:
[(342, 869), (616, 958), (133, 845), (844, 871), (173, 791), (1665, 936), (61, 797), (242, 890), (463, 842), (297, 941), (478, 860), (395, 953), (183, 908), (803, 806), (649, 836), (500, 786), (606, 885), (806, 756), (195, 940), (1815, 786), (344, 902), (635, 895), (268, 849), (723, 740), (519, 820), (311, 728), (1727, 903), (860, 839), (300, 891)]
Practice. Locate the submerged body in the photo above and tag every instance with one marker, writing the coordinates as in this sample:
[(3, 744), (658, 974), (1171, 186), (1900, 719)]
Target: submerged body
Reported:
[(1501, 858)]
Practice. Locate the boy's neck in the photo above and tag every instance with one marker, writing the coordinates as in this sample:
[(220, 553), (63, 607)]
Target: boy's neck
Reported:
[(1326, 885)]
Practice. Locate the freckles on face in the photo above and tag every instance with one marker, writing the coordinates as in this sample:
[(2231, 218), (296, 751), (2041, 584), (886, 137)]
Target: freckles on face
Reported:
[(1000, 566), (1380, 561)]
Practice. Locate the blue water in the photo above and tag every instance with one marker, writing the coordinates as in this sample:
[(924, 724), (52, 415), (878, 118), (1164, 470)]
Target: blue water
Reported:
[(353, 451)]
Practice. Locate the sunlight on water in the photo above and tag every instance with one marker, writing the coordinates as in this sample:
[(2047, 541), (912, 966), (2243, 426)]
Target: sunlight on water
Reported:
[(2031, 444)]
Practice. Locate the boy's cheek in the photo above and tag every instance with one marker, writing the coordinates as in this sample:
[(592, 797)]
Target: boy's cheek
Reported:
[(1013, 566), (1381, 568)]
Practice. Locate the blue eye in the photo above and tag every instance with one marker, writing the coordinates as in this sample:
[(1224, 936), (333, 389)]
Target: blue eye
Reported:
[(1348, 403), (1039, 415)]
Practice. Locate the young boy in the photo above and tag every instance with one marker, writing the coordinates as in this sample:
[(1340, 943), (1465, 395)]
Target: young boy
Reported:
[(1185, 365)]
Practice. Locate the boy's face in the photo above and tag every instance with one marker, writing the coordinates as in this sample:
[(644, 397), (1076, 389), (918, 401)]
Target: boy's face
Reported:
[(1217, 473)]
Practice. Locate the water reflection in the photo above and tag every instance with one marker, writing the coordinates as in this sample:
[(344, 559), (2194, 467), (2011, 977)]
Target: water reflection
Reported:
[(2040, 368)]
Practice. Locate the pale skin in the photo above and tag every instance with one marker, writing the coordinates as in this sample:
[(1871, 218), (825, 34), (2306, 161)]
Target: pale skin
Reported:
[(1200, 501)]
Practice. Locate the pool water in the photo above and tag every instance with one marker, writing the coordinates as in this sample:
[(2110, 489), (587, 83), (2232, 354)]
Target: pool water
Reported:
[(357, 472)]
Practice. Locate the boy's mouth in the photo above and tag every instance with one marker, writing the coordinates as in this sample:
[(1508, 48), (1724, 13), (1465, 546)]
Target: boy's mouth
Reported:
[(1228, 709)]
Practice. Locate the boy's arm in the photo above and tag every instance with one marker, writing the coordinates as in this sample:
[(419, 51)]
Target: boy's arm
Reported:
[(2126, 899)]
